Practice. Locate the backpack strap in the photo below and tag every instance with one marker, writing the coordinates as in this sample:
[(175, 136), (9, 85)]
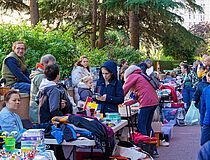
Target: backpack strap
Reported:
[(42, 98)]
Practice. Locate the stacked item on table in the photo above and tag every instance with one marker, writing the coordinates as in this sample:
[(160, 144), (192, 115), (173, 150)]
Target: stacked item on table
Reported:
[(33, 140), (17, 155), (111, 119)]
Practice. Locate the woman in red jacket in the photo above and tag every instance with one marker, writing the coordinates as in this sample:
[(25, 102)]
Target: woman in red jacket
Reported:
[(145, 94)]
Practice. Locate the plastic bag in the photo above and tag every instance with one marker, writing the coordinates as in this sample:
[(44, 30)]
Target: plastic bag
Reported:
[(193, 116)]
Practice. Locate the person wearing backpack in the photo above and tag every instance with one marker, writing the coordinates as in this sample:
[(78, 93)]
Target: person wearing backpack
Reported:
[(36, 78), (146, 96), (144, 66), (55, 101)]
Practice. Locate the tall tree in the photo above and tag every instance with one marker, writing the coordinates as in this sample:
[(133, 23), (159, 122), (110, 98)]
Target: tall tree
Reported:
[(102, 27), (94, 24), (17, 5), (34, 12), (134, 29), (154, 16)]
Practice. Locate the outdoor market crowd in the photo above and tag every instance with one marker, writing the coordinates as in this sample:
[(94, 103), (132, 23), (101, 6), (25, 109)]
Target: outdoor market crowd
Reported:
[(126, 84)]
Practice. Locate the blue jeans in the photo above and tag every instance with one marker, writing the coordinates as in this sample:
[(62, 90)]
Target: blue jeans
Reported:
[(22, 86), (205, 134), (187, 94), (145, 116)]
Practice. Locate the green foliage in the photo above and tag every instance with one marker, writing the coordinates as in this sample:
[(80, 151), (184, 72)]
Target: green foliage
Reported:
[(128, 53), (180, 43), (166, 65), (40, 42)]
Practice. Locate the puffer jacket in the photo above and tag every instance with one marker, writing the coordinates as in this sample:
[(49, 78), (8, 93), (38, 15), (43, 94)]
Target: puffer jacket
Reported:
[(143, 90), (84, 91), (77, 74)]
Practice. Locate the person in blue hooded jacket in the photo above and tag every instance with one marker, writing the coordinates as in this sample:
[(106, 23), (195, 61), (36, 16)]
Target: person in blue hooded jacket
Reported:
[(109, 88), (205, 113)]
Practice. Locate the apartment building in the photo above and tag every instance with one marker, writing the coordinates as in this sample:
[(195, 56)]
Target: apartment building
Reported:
[(191, 18)]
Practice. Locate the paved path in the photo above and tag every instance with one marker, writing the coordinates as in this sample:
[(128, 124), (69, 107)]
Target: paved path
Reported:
[(183, 146)]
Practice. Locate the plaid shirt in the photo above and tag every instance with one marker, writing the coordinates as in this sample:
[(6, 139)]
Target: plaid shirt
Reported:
[(190, 79)]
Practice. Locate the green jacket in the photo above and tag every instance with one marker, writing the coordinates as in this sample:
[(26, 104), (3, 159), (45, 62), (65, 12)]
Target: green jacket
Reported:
[(7, 74), (37, 77)]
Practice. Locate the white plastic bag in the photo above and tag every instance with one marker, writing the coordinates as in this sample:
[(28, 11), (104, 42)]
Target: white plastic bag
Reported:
[(193, 116)]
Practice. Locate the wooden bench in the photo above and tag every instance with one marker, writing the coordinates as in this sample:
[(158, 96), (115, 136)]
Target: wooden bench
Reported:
[(23, 111)]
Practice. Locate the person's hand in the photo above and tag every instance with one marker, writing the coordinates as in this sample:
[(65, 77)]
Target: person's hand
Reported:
[(63, 103), (56, 120), (193, 102), (101, 98)]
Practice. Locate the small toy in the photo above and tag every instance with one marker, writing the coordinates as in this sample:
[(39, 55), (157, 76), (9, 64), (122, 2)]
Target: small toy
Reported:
[(9, 140)]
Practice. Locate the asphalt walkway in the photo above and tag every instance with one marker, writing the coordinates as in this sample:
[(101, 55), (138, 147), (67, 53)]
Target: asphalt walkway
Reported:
[(183, 146)]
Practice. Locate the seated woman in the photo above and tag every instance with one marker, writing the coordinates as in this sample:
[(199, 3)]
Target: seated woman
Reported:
[(9, 120), (109, 88)]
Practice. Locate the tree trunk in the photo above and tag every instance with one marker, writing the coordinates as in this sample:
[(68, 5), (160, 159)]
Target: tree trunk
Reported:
[(34, 12), (102, 28), (94, 24), (134, 29)]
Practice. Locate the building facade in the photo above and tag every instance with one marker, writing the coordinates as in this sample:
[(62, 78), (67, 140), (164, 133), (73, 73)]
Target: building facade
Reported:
[(191, 18)]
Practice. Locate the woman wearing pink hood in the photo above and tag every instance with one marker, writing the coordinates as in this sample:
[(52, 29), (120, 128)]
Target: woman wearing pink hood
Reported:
[(145, 94)]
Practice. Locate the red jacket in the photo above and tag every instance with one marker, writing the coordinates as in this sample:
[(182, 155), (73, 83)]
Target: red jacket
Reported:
[(145, 93)]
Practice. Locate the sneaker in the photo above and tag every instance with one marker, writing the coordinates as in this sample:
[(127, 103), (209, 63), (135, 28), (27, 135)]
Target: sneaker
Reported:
[(155, 154), (164, 143)]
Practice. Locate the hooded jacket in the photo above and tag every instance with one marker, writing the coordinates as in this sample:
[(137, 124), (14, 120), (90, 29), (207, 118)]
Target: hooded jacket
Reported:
[(198, 92), (143, 90), (84, 91), (204, 108), (113, 91), (55, 93), (36, 79), (77, 74)]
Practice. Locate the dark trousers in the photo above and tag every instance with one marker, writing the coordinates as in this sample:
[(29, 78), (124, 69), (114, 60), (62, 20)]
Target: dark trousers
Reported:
[(145, 116), (187, 94), (205, 134)]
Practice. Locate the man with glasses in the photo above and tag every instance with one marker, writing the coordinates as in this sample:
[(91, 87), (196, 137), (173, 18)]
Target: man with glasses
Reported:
[(14, 68)]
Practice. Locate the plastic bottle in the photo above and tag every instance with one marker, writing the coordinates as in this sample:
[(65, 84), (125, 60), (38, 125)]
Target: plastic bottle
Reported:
[(98, 114), (88, 111)]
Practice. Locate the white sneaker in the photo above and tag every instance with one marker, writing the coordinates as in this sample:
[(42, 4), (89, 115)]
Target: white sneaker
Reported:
[(164, 143)]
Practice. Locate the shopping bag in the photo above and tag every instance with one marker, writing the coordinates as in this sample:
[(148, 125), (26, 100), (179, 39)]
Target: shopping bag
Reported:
[(193, 116)]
